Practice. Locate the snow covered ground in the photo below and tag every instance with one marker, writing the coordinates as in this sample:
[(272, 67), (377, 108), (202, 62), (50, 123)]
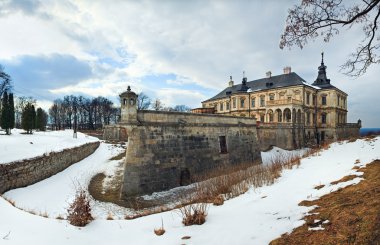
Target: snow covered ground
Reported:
[(20, 146), (256, 217)]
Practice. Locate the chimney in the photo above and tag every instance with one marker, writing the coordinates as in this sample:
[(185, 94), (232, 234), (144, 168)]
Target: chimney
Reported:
[(287, 70), (269, 74), (230, 83)]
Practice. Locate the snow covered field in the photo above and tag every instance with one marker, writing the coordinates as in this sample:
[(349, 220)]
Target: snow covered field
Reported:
[(256, 217), (20, 146)]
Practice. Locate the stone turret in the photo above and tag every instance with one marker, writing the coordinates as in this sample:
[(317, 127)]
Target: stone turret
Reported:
[(128, 102), (322, 77)]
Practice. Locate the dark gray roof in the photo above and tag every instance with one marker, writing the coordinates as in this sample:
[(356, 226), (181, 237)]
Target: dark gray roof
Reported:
[(283, 80)]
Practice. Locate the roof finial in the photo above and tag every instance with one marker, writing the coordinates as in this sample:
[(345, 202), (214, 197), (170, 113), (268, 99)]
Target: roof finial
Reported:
[(230, 78), (322, 57), (243, 74), (129, 88)]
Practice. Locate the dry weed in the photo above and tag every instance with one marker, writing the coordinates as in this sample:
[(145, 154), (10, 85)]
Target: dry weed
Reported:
[(194, 214), (160, 231)]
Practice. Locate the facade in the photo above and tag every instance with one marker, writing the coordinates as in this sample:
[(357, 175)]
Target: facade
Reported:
[(320, 108)]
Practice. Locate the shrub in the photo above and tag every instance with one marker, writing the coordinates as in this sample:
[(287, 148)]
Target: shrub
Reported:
[(79, 212), (194, 214), (160, 231), (219, 200)]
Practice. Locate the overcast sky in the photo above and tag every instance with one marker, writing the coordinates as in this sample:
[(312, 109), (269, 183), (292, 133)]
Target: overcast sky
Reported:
[(182, 52)]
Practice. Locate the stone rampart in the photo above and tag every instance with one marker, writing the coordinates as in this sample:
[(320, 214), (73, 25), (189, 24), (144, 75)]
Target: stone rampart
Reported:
[(167, 149), (285, 136), (29, 171)]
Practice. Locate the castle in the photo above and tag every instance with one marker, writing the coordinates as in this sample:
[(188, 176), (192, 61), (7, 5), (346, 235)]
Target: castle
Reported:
[(320, 107), (170, 149)]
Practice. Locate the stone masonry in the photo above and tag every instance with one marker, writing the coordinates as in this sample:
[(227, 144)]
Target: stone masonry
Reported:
[(27, 172)]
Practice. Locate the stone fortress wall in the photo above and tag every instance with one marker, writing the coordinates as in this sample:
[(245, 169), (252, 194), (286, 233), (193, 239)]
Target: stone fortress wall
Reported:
[(168, 149), (27, 172)]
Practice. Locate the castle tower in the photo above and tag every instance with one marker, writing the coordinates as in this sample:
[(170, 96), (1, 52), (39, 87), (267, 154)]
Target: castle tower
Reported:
[(322, 77), (128, 102)]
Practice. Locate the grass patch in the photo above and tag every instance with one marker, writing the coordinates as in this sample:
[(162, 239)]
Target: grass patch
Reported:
[(344, 179), (319, 187), (349, 216)]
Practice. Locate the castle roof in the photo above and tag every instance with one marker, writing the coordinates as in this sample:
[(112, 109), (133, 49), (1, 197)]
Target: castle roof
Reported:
[(279, 81), (127, 93)]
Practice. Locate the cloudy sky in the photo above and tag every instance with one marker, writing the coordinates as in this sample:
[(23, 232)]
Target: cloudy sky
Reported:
[(182, 52)]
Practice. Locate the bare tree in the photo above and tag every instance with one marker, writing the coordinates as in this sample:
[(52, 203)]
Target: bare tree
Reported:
[(5, 81), (325, 18), (20, 103), (143, 101), (157, 105)]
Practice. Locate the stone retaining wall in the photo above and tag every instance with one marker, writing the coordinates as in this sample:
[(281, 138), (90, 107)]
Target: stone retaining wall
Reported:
[(26, 172), (167, 150)]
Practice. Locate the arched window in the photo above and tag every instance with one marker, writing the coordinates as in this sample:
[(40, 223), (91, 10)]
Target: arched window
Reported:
[(279, 115), (131, 101), (253, 103), (227, 106), (221, 106), (125, 101), (270, 116), (287, 115)]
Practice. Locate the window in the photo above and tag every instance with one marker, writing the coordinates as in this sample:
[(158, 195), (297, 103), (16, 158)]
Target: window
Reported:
[(324, 118), (307, 98), (338, 99), (324, 100), (344, 102), (227, 106), (271, 97), (314, 119), (234, 102), (253, 102), (242, 102), (185, 177), (262, 116), (223, 144), (221, 106), (314, 102), (308, 118), (125, 101), (270, 117), (262, 100), (131, 101)]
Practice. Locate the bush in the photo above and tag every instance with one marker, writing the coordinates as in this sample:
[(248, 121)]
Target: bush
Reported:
[(194, 214), (79, 212), (160, 231)]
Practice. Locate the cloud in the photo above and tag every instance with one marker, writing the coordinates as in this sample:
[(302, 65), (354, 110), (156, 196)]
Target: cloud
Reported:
[(199, 44)]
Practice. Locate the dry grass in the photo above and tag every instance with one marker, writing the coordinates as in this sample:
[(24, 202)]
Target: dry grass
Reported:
[(344, 179), (194, 214), (353, 214), (59, 217), (109, 216), (44, 214), (160, 231), (218, 201), (119, 156), (319, 187)]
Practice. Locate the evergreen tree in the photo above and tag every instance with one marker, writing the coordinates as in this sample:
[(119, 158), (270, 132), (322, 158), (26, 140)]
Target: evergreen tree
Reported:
[(11, 111), (5, 120), (41, 119), (28, 118)]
